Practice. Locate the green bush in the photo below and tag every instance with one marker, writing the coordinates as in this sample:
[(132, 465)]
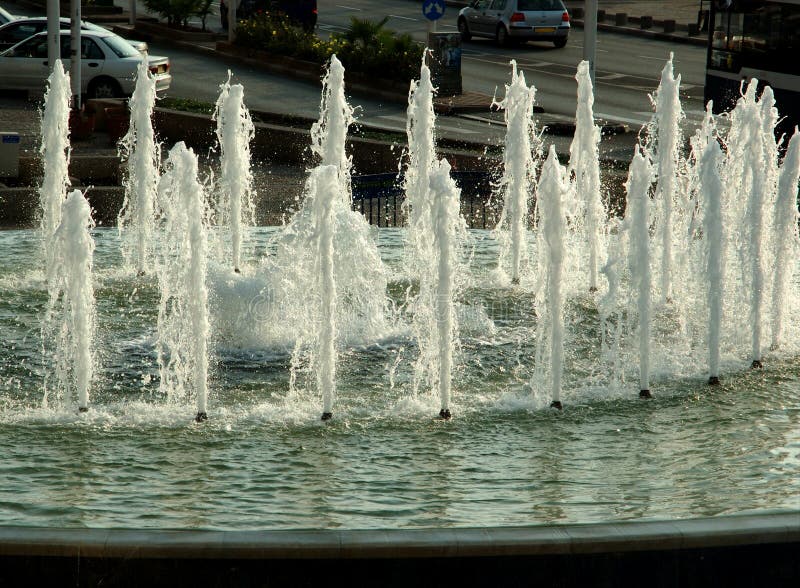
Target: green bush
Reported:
[(366, 47), (178, 12)]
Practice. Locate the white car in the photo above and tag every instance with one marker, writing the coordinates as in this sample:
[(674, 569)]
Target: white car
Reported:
[(23, 27), (108, 67)]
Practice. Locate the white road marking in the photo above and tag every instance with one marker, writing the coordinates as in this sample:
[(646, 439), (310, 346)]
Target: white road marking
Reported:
[(661, 59), (611, 76), (403, 17), (625, 119), (348, 7)]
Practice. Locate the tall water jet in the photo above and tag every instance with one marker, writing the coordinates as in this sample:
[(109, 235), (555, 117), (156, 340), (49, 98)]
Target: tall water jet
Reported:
[(637, 218), (784, 225), (447, 223), (183, 324), (325, 184), (235, 131), (72, 297), (419, 206), (143, 156), (755, 188), (329, 133), (421, 157), (522, 148), (357, 312), (584, 165), (667, 121), (552, 226), (54, 150), (712, 192)]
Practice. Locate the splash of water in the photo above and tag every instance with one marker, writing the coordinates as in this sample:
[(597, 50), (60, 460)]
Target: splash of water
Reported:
[(637, 215), (325, 185), (329, 133), (54, 150), (784, 224), (235, 131), (584, 166), (712, 192), (552, 227), (522, 150), (358, 310), (417, 205), (183, 323), (447, 223), (667, 121), (143, 155), (72, 301)]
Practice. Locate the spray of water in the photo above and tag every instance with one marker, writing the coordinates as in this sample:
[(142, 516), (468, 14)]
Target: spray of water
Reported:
[(784, 223), (235, 131), (183, 323), (350, 304), (522, 150), (447, 224), (584, 166), (325, 185), (712, 193), (550, 300), (637, 215), (421, 158), (667, 134), (329, 133), (54, 150), (71, 302), (143, 156)]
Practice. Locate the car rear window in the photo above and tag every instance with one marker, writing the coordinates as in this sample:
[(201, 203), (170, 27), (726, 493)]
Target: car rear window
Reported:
[(539, 5), (120, 46)]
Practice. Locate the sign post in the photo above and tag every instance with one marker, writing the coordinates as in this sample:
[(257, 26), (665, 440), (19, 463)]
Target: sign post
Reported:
[(433, 10), (444, 57)]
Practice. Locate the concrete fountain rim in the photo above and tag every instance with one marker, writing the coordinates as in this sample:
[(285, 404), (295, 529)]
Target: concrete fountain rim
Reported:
[(781, 527)]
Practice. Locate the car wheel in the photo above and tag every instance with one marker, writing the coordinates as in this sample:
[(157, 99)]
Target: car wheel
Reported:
[(559, 43), (104, 88), (501, 36), (464, 29)]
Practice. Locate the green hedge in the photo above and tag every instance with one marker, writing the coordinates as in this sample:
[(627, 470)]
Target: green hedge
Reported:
[(366, 47)]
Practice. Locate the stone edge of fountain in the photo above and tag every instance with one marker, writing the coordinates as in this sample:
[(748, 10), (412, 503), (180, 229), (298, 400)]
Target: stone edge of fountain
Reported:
[(690, 549)]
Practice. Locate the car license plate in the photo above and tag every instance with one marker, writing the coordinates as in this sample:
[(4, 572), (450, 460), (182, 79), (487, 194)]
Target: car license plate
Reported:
[(545, 29)]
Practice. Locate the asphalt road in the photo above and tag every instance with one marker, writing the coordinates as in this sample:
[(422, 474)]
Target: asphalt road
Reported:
[(627, 68)]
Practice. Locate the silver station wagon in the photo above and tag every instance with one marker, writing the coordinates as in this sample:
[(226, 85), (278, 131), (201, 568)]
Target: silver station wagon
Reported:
[(508, 21)]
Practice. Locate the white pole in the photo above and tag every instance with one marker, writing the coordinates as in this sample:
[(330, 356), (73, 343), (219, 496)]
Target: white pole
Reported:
[(590, 35), (75, 52), (132, 17), (53, 26)]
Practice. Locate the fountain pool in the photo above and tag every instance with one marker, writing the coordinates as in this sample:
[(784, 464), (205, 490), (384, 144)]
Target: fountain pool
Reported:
[(264, 460), (327, 308)]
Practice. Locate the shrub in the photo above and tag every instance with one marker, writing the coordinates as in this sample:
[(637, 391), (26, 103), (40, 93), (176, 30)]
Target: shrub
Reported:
[(366, 47), (177, 12)]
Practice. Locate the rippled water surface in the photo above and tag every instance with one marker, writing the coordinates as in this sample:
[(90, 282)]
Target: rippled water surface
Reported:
[(265, 461)]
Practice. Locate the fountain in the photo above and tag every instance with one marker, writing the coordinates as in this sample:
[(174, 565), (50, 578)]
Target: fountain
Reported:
[(143, 156), (183, 313), (522, 148), (328, 311), (235, 131)]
